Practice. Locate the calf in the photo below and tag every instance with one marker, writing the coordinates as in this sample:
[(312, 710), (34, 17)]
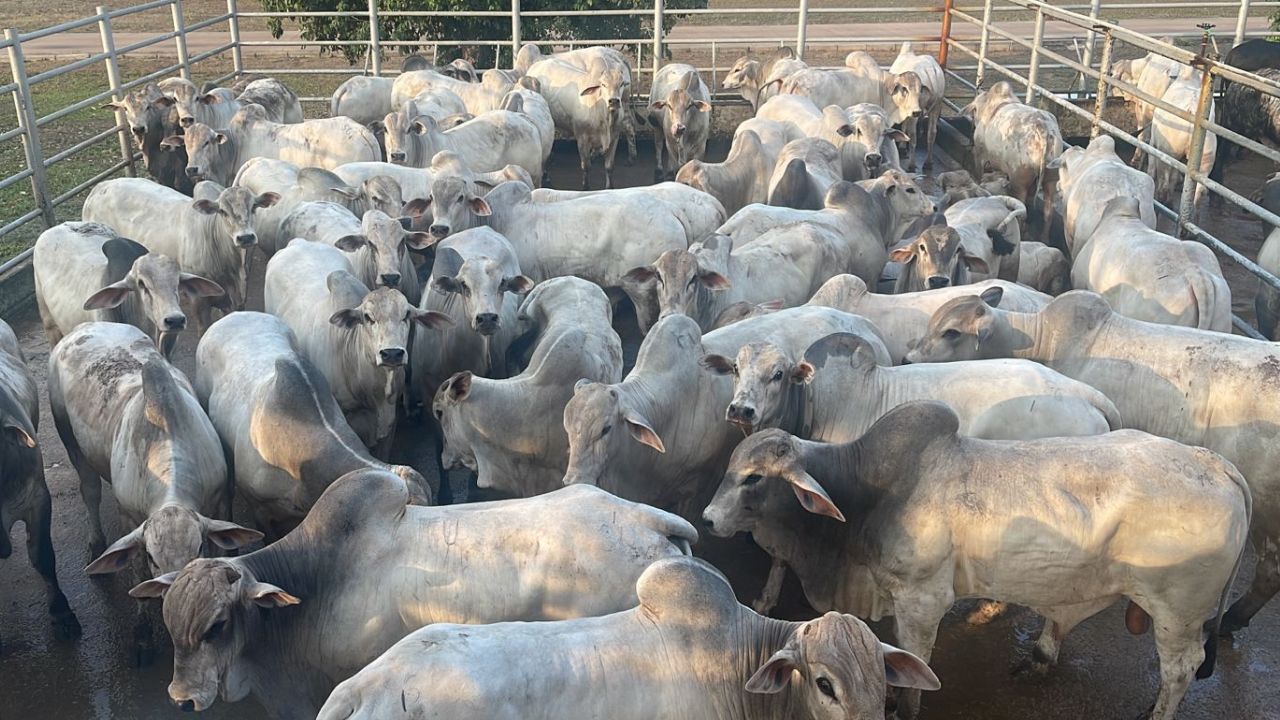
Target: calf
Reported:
[(378, 245), (129, 418), (24, 495), (860, 81), (957, 185), (497, 428), (1015, 139), (680, 112), (933, 89), (935, 259), (765, 670), (372, 570), (920, 534), (357, 338), (137, 287), (1200, 388), (209, 238), (273, 410), (1043, 268)]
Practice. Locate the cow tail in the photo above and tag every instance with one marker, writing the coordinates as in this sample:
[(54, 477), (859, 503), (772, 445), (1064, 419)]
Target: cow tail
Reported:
[(1202, 292), (336, 101), (1211, 643), (1053, 144)]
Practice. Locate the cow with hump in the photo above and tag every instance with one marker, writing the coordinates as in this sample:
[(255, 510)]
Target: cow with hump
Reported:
[(670, 656), (894, 524), (288, 622)]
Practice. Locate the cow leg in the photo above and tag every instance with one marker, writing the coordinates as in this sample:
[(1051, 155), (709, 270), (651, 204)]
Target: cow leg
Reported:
[(1181, 649), (1058, 621), (1266, 582), (933, 134), (772, 588), (658, 146), (39, 519), (912, 137), (629, 129), (144, 643), (916, 618), (609, 154), (584, 160)]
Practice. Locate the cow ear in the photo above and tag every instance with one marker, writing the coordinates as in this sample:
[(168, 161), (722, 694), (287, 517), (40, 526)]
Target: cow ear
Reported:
[(432, 319), (345, 191), (377, 127), (992, 295), (645, 435), (802, 373), (230, 536), (974, 263), (904, 670), (813, 498), (658, 104), (844, 131), (198, 286), (841, 344), (210, 99), (351, 243), (346, 318), (20, 435), (109, 297), (582, 382), (714, 280), (480, 206), (208, 207), (775, 675), (718, 364), (266, 199), (173, 141), (416, 207), (445, 284), (117, 557), (418, 240), (588, 91), (906, 253), (163, 101), (460, 386), (702, 105), (641, 274), (155, 587), (265, 595), (518, 284), (897, 135)]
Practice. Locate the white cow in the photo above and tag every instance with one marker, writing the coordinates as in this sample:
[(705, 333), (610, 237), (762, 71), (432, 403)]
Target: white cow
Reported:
[(933, 89), (1087, 179), (1043, 268), (758, 80), (1172, 135), (862, 132), (490, 142), (357, 338), (362, 98), (699, 212), (860, 81), (588, 105), (806, 169), (218, 106), (677, 660), (990, 228), (743, 177), (680, 113), (479, 97)]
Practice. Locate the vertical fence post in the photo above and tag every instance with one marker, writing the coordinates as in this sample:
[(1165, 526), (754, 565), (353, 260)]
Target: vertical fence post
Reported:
[(715, 84), (657, 37), (982, 44), (233, 27), (802, 28), (1191, 186), (1091, 38), (1100, 100), (1241, 20), (375, 40), (1034, 71), (180, 37), (113, 78), (30, 132), (945, 37), (515, 30)]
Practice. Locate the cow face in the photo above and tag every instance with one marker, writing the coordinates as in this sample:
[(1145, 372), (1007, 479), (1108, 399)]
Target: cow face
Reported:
[(766, 477), (678, 280), (678, 111), (763, 377), (454, 205), (959, 329), (210, 154), (447, 407), (599, 423), (143, 108), (938, 258), (905, 97), (608, 86), (190, 102), (159, 286), (385, 239), (868, 129), (745, 73), (837, 669), (481, 284), (410, 136), (905, 195), (170, 538), (381, 326), (212, 609), (233, 213)]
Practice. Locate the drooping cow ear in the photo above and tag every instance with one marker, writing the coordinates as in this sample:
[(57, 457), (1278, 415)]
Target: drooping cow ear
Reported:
[(518, 284), (802, 373), (418, 240), (416, 207), (718, 364), (774, 676), (812, 497), (20, 435), (897, 135), (198, 286), (657, 104), (109, 297), (714, 280), (702, 105), (155, 587), (265, 595), (480, 207), (432, 319), (643, 433), (230, 536), (208, 207), (445, 284), (641, 274), (173, 142), (973, 262), (992, 295), (904, 670), (266, 199), (117, 557), (903, 254), (346, 318), (351, 243)]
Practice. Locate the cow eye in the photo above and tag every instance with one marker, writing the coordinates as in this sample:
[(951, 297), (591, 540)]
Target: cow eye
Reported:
[(692, 280), (215, 631), (368, 318), (911, 191), (777, 375), (824, 685), (606, 430), (752, 479), (406, 315), (857, 131), (922, 248), (141, 285), (950, 334), (460, 198)]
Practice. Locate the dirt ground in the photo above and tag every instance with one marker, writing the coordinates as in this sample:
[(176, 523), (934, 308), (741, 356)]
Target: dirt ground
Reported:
[(1104, 672)]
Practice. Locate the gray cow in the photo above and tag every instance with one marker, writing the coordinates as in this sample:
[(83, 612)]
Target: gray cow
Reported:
[(128, 417), (497, 428), (290, 621), (138, 288), (935, 259), (669, 657), (281, 427), (893, 524), (23, 493), (680, 113), (151, 118)]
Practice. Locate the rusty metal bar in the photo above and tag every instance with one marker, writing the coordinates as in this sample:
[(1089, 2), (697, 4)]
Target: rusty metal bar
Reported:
[(1100, 101), (944, 39)]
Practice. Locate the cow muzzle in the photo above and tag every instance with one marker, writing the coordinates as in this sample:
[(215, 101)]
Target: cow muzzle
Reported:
[(439, 232), (396, 157), (678, 130), (246, 240), (615, 103), (139, 130), (193, 171), (872, 160), (486, 323), (939, 281), (187, 121), (390, 280), (175, 322), (744, 416), (391, 357)]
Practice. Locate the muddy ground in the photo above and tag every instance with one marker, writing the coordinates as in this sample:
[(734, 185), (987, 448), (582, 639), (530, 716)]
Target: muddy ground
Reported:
[(1104, 672)]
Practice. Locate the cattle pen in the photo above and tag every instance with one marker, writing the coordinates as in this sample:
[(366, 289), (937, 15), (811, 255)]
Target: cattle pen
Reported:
[(62, 141)]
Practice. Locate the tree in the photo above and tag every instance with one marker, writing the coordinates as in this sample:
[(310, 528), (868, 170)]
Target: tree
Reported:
[(463, 25)]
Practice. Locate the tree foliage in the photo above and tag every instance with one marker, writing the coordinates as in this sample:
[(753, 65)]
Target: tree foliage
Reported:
[(465, 25)]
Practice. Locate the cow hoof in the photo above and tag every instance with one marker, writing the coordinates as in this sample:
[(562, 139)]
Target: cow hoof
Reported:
[(928, 165), (66, 627)]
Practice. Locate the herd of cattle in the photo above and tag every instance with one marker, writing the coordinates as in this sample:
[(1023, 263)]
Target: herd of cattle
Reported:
[(877, 384)]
